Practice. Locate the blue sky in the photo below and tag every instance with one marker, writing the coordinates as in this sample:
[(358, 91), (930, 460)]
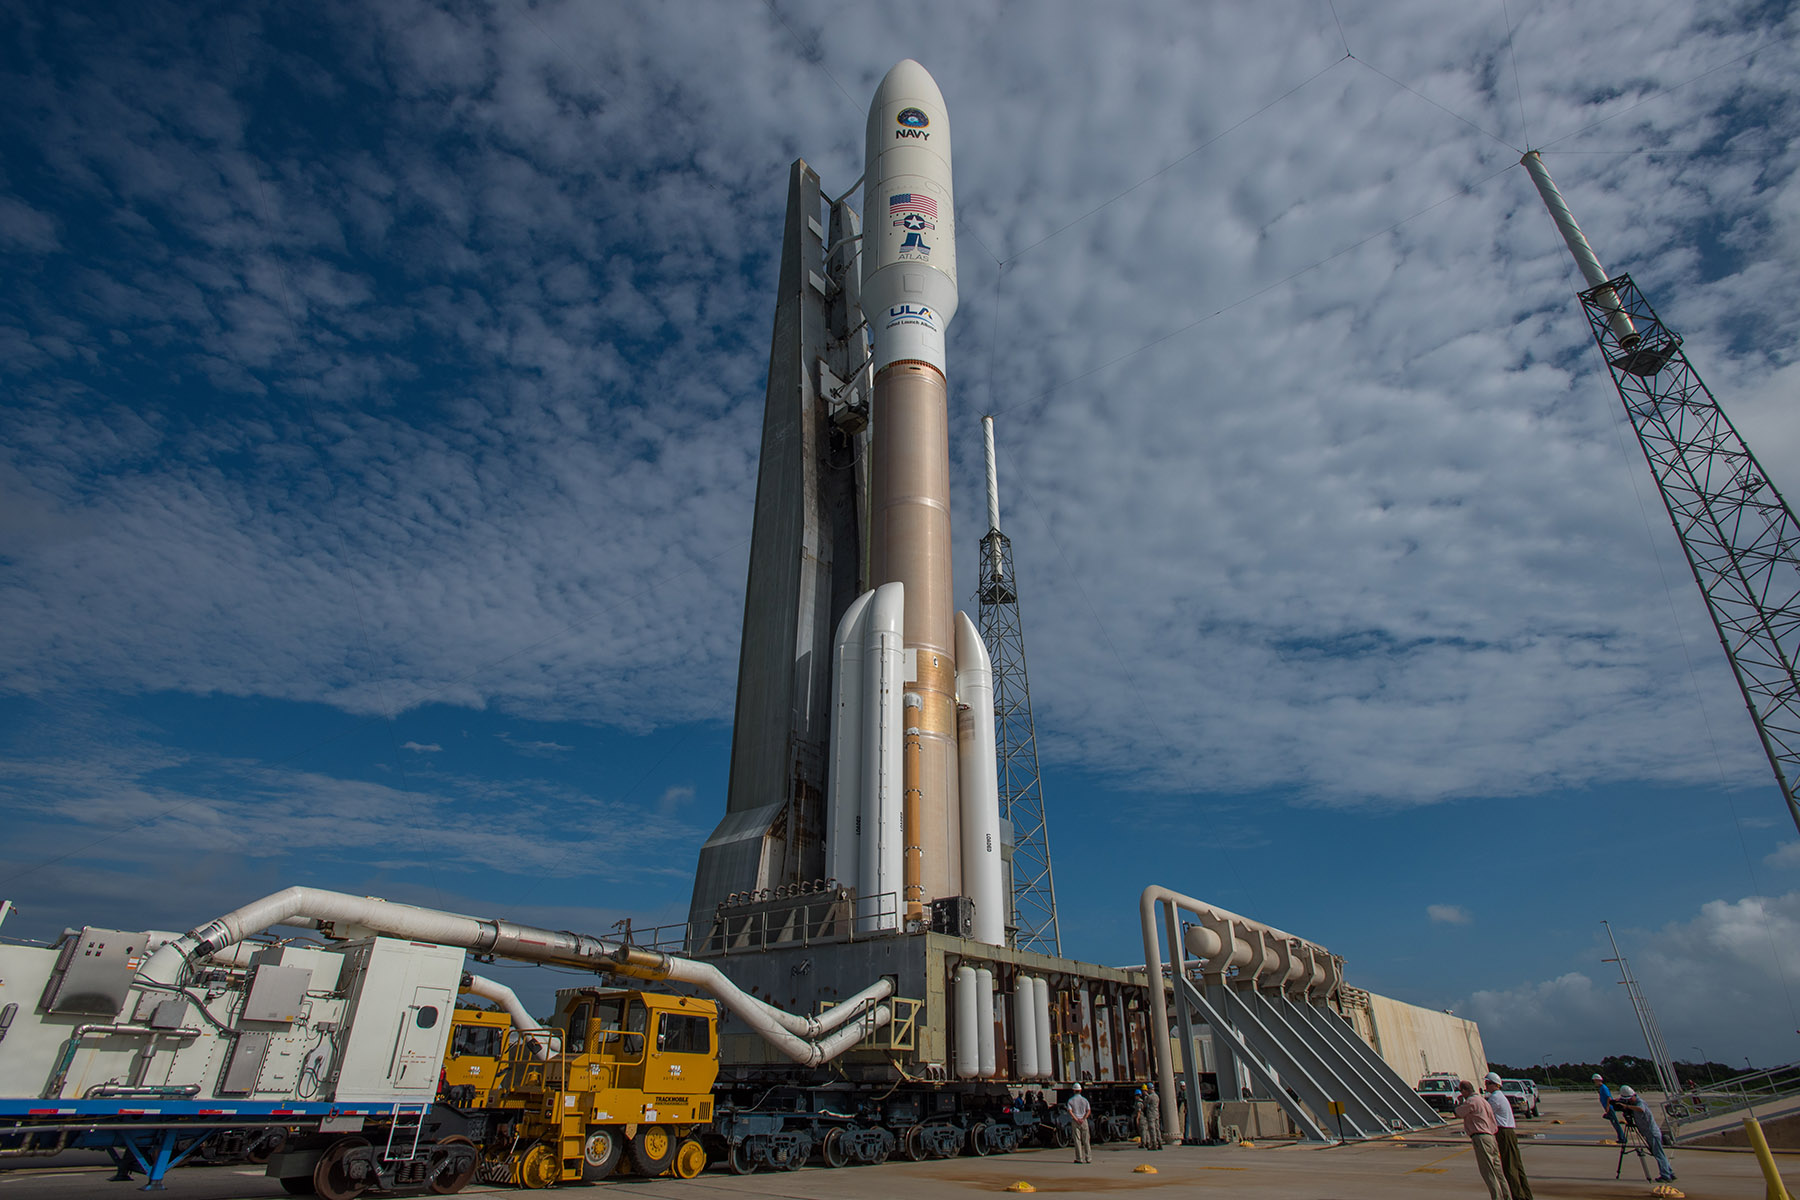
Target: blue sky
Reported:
[(381, 394)]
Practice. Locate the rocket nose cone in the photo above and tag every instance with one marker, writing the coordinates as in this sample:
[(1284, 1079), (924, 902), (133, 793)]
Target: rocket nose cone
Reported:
[(908, 80)]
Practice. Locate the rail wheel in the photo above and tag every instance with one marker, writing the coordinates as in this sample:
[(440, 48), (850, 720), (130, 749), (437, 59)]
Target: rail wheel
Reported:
[(332, 1178), (912, 1143), (652, 1150), (832, 1149), (739, 1159), (978, 1139), (690, 1160), (539, 1168), (600, 1154), (444, 1180)]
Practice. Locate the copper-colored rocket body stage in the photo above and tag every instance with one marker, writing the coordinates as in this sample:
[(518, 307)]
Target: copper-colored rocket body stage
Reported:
[(910, 543)]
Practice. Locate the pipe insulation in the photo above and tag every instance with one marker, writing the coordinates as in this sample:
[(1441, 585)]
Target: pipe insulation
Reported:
[(508, 1002), (353, 916)]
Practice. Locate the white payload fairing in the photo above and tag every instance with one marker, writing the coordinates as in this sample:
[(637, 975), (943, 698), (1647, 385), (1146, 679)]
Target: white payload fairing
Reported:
[(913, 810)]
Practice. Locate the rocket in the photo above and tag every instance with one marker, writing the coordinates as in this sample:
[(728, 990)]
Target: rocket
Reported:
[(913, 805)]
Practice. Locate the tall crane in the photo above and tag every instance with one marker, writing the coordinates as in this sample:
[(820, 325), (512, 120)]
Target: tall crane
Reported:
[(1739, 535)]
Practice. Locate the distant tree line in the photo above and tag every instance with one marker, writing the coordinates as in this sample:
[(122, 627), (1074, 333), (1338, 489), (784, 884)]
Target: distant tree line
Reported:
[(1617, 1069)]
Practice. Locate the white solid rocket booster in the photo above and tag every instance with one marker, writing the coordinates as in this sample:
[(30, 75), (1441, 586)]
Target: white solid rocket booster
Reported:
[(909, 299)]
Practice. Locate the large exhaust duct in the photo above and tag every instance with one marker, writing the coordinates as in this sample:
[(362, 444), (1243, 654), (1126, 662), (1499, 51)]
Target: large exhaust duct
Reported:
[(805, 1040), (1222, 940)]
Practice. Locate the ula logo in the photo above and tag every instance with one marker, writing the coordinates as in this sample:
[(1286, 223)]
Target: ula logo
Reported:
[(917, 311), (912, 118)]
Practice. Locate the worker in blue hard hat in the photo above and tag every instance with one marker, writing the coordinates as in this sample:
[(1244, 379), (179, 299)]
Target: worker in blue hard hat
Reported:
[(1149, 1126)]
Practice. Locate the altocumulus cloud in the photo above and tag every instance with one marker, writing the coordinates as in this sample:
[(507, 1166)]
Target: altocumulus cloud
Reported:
[(415, 354)]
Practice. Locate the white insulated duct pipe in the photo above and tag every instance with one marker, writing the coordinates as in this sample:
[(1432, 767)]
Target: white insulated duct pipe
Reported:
[(987, 1065), (1260, 951), (509, 1002), (884, 735), (1577, 242), (356, 915), (968, 1044), (980, 784), (844, 788), (1040, 1025), (1025, 1046)]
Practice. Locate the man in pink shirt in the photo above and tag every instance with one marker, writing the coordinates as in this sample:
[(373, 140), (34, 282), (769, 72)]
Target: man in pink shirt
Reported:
[(1479, 1123)]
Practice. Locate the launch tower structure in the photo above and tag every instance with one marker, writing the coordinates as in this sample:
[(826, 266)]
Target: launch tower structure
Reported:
[(1739, 535), (1015, 736)]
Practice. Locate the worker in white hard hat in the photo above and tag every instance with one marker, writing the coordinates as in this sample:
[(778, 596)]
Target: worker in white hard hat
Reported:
[(1639, 1114), (1079, 1108), (1478, 1122), (1506, 1138), (1606, 1107)]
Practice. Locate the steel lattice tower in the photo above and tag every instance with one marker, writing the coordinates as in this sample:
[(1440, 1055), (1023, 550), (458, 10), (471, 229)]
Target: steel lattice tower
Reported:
[(1739, 535), (1015, 737)]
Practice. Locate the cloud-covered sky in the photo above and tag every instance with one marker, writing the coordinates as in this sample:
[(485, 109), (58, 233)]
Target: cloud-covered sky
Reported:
[(381, 394)]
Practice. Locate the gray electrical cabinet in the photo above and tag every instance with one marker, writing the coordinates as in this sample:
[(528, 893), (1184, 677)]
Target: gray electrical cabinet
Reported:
[(93, 972)]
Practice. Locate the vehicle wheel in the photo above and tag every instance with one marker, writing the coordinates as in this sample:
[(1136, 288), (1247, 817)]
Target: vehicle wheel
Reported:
[(912, 1143), (652, 1150), (447, 1181), (832, 1149), (298, 1185), (690, 1160), (739, 1159), (977, 1141), (600, 1154), (331, 1177), (539, 1168), (1060, 1137)]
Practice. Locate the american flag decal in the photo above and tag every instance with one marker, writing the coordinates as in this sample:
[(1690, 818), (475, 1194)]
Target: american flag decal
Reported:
[(912, 202)]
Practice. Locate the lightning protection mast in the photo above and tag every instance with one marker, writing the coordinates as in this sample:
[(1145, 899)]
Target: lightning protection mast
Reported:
[(1015, 737), (1740, 537)]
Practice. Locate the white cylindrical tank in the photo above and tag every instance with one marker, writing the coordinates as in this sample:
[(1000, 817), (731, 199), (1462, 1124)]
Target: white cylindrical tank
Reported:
[(1040, 1020), (968, 1031), (1025, 1043), (982, 869), (844, 802), (984, 1022), (884, 687)]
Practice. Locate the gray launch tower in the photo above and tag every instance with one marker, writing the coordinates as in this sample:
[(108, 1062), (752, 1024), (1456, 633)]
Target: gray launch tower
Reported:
[(808, 561), (1015, 734)]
